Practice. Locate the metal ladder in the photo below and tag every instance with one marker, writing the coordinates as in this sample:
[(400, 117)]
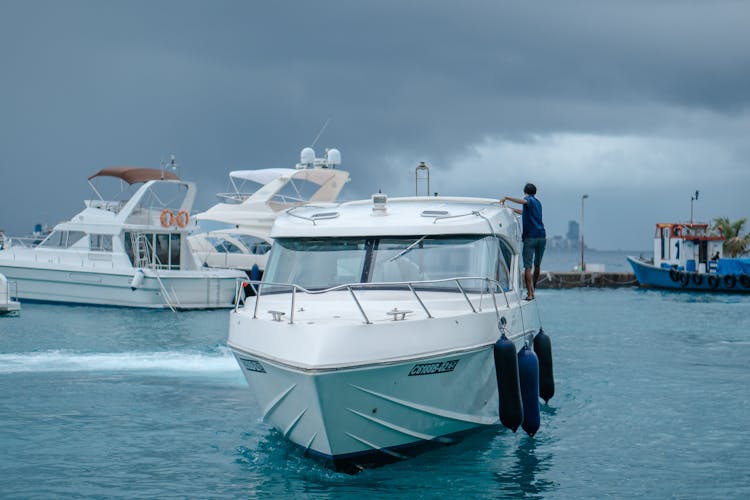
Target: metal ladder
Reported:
[(142, 258)]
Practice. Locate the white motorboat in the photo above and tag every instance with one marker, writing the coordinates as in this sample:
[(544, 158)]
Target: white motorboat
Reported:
[(8, 290), (129, 250), (250, 214), (374, 327)]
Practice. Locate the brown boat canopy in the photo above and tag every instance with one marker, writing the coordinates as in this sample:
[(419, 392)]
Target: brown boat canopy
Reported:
[(131, 175)]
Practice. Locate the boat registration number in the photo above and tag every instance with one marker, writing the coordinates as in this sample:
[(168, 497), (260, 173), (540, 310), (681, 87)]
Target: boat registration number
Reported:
[(433, 368), (252, 365)]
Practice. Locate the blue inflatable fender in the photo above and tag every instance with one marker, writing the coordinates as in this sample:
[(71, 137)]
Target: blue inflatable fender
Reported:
[(528, 370), (543, 350), (508, 385)]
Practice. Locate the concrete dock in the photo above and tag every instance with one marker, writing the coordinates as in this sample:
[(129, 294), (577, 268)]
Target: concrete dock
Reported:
[(575, 279)]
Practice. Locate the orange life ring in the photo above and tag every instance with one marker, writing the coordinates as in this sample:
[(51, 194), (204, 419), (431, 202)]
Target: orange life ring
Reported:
[(166, 217), (183, 218)]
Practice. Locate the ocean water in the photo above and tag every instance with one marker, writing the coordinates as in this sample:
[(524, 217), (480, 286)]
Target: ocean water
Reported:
[(614, 261), (652, 400)]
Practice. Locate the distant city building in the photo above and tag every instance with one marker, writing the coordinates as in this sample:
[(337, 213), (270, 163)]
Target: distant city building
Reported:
[(571, 241), (573, 231)]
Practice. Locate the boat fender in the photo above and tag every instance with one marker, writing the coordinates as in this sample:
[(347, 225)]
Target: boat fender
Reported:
[(674, 274), (166, 217), (713, 281), (745, 280), (543, 350), (528, 371), (684, 278), (255, 273), (730, 280), (697, 279), (137, 280), (508, 383), (182, 218)]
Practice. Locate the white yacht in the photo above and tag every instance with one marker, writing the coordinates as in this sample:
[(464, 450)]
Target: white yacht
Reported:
[(127, 250), (374, 326), (250, 214)]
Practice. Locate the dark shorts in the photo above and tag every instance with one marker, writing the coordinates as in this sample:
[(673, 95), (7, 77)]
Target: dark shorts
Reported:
[(533, 250)]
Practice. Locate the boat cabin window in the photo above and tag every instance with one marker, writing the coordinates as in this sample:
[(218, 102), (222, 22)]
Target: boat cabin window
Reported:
[(157, 250), (62, 239), (317, 263), (256, 245), (100, 242), (222, 245), (665, 243)]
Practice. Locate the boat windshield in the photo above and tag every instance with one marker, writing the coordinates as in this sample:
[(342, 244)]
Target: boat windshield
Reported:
[(318, 263)]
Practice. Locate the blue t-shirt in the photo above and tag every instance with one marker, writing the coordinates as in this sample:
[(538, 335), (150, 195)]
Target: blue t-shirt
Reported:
[(533, 227)]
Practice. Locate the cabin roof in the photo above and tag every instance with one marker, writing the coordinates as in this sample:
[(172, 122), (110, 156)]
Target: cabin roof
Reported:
[(132, 175), (400, 216), (317, 176)]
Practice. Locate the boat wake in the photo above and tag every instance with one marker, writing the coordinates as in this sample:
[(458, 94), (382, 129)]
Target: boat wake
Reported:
[(218, 363)]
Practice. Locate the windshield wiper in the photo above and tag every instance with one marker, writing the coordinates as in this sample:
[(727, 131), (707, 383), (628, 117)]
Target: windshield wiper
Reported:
[(407, 249)]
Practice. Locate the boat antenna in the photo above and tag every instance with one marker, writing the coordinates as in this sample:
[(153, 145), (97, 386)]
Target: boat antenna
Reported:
[(320, 133), (172, 164), (692, 199)]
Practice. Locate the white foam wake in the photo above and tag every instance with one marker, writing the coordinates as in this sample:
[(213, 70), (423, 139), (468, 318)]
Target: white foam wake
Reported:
[(183, 362)]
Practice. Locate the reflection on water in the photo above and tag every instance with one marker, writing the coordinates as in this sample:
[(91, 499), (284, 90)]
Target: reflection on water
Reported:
[(521, 479)]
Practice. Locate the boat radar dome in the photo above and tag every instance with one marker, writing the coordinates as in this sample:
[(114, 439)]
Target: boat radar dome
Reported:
[(307, 157), (333, 158)]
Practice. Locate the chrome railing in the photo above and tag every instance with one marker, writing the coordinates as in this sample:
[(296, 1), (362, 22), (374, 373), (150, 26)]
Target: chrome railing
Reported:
[(491, 287)]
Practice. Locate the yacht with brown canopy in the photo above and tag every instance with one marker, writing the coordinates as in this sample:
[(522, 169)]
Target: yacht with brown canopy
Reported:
[(130, 249)]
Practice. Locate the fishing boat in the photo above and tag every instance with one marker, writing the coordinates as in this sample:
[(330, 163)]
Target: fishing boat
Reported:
[(8, 291), (250, 214), (689, 256), (384, 327), (130, 249)]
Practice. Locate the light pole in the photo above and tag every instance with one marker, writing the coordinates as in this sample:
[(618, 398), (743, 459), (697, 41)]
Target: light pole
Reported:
[(583, 262), (692, 199)]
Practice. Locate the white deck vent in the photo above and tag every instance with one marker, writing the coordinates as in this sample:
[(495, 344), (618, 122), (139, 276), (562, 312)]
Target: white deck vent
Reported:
[(379, 204), (324, 215), (435, 213)]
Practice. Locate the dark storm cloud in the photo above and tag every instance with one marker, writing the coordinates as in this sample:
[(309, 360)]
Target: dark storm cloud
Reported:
[(230, 85)]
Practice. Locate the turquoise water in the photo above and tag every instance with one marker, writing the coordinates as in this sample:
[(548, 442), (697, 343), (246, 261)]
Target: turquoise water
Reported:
[(614, 261), (652, 401)]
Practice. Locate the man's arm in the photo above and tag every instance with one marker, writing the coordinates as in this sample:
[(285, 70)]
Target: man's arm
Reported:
[(520, 201)]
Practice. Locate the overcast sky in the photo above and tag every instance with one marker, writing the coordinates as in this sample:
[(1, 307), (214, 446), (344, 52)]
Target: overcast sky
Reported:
[(637, 103)]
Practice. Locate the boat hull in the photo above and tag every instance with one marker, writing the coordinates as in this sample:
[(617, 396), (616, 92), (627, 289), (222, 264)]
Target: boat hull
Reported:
[(358, 394), (194, 290), (650, 276), (363, 416)]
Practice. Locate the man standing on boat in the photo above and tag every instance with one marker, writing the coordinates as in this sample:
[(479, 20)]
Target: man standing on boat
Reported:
[(534, 236)]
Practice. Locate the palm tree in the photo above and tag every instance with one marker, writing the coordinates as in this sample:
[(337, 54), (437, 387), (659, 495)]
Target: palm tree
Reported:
[(734, 244)]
